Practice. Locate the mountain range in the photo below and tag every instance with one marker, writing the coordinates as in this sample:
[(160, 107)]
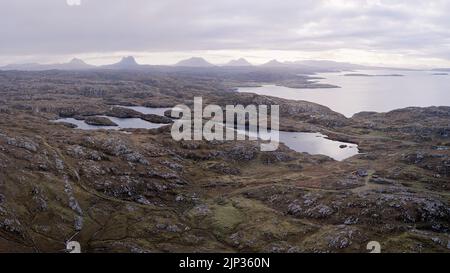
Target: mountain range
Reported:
[(74, 64), (129, 63)]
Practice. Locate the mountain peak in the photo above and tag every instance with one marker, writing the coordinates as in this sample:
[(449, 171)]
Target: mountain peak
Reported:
[(128, 61), (77, 61), (274, 62), (239, 62), (194, 62)]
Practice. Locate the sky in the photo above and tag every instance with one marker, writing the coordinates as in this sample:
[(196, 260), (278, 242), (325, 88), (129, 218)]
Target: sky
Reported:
[(407, 33)]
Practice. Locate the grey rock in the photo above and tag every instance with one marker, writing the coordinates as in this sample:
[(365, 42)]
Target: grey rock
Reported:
[(362, 173), (294, 208), (201, 210), (168, 227), (157, 119), (23, 143), (243, 153), (136, 157), (78, 223), (99, 121), (320, 211), (179, 198), (351, 220)]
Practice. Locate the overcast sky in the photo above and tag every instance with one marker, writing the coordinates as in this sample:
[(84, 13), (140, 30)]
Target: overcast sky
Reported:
[(403, 32)]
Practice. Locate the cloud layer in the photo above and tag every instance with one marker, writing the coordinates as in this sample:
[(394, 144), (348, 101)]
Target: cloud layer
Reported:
[(412, 28)]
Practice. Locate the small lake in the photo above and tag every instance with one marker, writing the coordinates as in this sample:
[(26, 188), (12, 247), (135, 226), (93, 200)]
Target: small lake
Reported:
[(147, 110), (318, 144), (312, 143), (123, 123), (369, 90)]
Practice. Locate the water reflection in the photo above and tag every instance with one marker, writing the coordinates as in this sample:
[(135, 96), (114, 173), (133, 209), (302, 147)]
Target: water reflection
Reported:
[(311, 143), (123, 123), (147, 110), (380, 94), (316, 143)]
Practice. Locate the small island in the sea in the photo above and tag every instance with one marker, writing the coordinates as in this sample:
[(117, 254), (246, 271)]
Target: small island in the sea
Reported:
[(375, 75), (440, 74)]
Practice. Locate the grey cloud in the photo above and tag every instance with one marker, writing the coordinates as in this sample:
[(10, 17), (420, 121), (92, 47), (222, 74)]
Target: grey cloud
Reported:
[(52, 27)]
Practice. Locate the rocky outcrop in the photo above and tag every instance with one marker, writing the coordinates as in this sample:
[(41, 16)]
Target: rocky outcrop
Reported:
[(156, 119), (99, 121), (121, 112), (22, 142)]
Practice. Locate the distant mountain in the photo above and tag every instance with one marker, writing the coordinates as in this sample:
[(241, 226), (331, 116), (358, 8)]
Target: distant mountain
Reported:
[(194, 62), (26, 67), (126, 63), (332, 65), (74, 64), (319, 65), (238, 62), (275, 63)]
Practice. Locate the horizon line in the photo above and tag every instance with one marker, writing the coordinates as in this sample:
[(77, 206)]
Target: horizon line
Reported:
[(226, 64)]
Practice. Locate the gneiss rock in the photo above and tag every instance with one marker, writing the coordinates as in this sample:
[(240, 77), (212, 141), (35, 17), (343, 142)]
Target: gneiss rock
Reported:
[(320, 211), (157, 119), (121, 112), (24, 143), (136, 157), (243, 153), (80, 152), (342, 237), (294, 208), (12, 226), (362, 173), (99, 121), (351, 220)]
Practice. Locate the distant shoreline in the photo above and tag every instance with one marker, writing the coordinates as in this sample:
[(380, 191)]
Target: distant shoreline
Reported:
[(369, 75)]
